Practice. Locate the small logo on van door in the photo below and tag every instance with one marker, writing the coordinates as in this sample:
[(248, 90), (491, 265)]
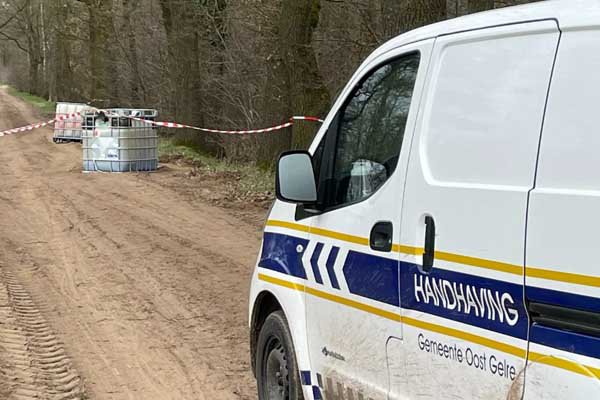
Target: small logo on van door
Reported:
[(328, 353)]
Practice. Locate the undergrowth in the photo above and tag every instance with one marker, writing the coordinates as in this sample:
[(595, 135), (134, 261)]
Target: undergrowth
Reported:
[(252, 178)]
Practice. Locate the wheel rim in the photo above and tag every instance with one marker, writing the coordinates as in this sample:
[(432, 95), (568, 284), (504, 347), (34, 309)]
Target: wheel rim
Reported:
[(276, 371)]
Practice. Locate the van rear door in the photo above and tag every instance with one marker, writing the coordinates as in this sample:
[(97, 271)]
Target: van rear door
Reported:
[(472, 165), (562, 273)]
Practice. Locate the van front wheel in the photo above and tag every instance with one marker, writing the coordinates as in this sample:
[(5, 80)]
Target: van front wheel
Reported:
[(276, 369)]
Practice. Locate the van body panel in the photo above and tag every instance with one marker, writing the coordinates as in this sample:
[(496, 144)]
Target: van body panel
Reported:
[(459, 149), (347, 358), (561, 275), (465, 320)]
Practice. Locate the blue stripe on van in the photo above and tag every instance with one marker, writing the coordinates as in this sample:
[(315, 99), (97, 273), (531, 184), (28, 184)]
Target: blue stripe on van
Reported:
[(373, 277), (475, 300), (567, 341), (280, 253), (317, 393), (493, 304), (305, 378), (563, 299), (561, 339)]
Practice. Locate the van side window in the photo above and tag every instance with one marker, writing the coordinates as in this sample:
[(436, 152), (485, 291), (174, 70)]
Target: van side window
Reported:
[(371, 129)]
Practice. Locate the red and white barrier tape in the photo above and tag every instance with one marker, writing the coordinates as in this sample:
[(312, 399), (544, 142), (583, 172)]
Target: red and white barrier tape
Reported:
[(169, 125), (230, 132), (39, 124), (304, 118)]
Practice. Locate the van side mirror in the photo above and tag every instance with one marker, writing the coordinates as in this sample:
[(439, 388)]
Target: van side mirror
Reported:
[(295, 181)]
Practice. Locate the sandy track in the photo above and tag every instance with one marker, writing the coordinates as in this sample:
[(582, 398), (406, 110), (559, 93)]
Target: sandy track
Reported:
[(34, 361), (141, 290)]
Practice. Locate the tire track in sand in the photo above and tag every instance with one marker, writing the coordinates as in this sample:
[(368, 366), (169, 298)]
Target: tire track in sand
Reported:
[(33, 363)]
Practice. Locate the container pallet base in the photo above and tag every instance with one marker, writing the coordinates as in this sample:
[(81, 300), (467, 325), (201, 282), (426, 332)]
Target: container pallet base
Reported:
[(120, 166), (58, 140)]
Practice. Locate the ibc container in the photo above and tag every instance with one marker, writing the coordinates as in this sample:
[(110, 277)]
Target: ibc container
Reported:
[(123, 145), (68, 130)]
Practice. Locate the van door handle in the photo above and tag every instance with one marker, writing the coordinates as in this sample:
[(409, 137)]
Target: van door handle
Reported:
[(429, 248), (381, 236)]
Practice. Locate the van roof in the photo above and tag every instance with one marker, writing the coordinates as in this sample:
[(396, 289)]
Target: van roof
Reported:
[(570, 14)]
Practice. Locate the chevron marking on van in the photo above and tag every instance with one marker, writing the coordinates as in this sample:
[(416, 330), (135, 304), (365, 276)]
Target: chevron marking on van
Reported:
[(330, 263), (314, 262)]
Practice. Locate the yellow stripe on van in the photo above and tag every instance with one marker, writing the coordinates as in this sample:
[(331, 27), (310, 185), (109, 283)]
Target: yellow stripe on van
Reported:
[(563, 277), (513, 269), (456, 333), (331, 297), (413, 251), (281, 282), (288, 225), (480, 263), (321, 232), (567, 365)]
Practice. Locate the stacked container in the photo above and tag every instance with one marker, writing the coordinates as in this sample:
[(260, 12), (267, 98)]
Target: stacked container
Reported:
[(68, 130), (123, 144)]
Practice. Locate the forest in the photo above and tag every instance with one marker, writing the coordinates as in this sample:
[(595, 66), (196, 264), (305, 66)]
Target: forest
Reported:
[(228, 64)]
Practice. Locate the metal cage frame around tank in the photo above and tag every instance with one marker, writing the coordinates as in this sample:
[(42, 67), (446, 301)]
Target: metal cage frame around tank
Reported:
[(128, 145)]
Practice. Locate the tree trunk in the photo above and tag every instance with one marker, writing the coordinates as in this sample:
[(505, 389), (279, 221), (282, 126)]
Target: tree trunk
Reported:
[(480, 5), (413, 14), (304, 91), (179, 19), (34, 49), (100, 26), (138, 89), (34, 76), (62, 57), (508, 3)]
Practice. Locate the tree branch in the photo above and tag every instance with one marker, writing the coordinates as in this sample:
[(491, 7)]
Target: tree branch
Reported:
[(9, 20), (15, 41)]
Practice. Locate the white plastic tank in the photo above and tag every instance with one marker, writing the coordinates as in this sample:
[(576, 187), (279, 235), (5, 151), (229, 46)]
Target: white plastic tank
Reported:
[(114, 142)]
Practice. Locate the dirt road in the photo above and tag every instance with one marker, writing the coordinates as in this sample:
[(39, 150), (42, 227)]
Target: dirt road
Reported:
[(116, 286)]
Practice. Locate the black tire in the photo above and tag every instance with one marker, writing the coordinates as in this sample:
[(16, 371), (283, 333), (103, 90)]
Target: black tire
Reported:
[(275, 353)]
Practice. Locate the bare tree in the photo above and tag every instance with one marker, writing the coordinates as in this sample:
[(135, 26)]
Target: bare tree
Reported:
[(217, 63)]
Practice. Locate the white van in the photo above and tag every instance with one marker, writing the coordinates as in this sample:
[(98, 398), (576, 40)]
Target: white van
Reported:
[(438, 239)]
